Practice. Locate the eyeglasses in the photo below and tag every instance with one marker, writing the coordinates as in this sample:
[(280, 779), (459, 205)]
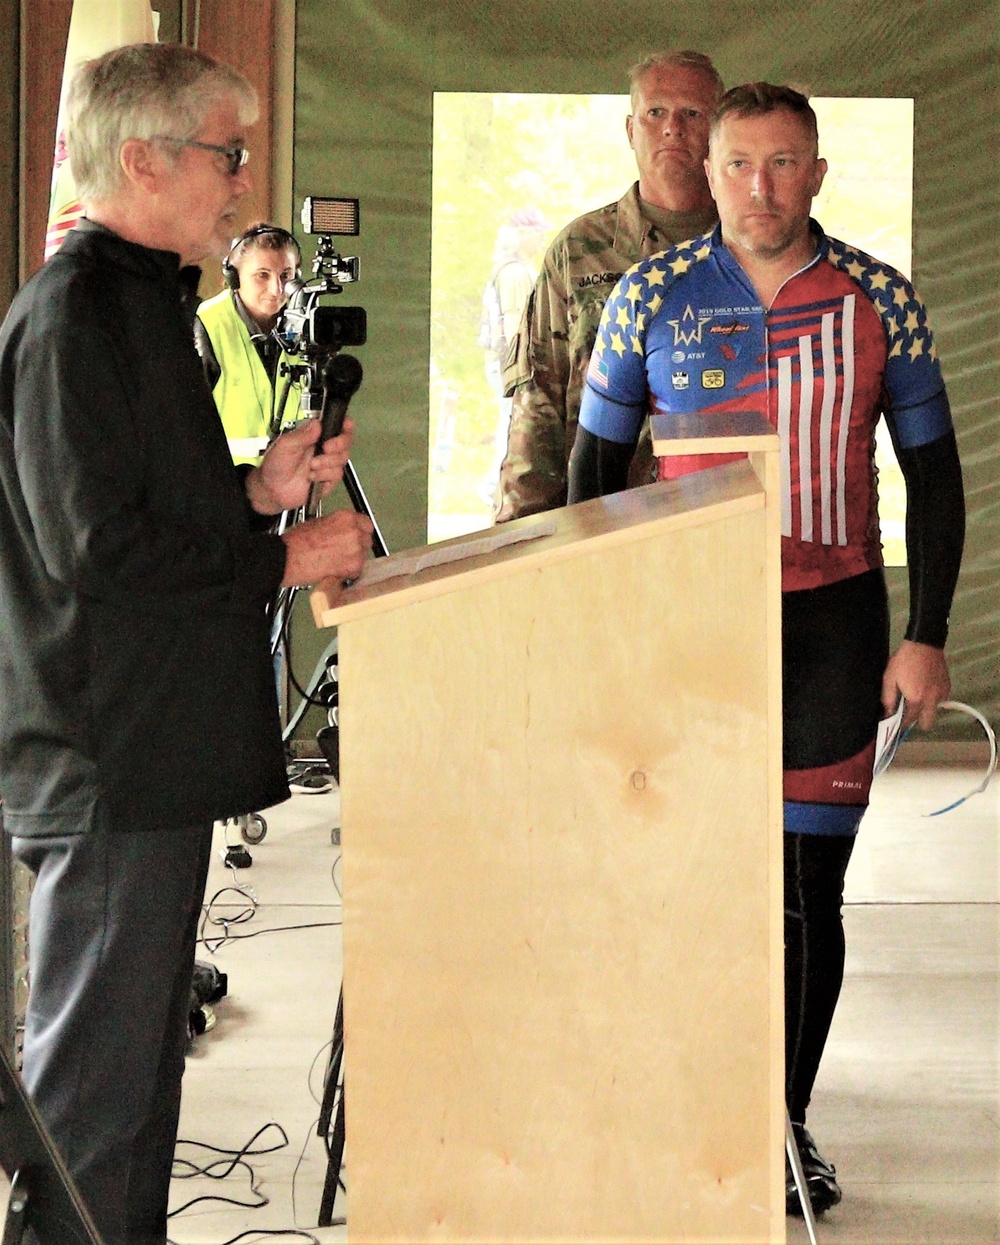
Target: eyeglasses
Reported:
[(236, 157)]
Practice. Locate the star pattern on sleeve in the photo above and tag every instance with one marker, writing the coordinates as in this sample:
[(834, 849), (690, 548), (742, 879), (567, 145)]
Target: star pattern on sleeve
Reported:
[(639, 296), (903, 314)]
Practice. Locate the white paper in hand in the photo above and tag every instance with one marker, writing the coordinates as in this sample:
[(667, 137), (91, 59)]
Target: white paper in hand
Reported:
[(888, 739)]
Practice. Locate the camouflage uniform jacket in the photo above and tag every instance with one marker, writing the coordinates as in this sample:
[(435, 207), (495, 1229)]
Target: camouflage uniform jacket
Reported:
[(546, 363)]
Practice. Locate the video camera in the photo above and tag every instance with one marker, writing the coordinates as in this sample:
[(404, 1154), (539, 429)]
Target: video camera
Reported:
[(306, 327)]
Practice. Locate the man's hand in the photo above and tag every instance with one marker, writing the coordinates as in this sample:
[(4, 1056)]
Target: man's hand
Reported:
[(291, 466), (920, 673), (334, 546)]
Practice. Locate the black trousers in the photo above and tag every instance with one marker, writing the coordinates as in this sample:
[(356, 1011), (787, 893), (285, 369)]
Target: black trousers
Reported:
[(113, 922)]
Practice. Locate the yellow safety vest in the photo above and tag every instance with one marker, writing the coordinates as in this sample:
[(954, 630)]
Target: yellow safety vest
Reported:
[(243, 391)]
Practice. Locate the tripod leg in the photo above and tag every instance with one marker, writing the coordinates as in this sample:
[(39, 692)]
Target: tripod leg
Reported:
[(332, 1070), (333, 1166), (335, 1142), (356, 492)]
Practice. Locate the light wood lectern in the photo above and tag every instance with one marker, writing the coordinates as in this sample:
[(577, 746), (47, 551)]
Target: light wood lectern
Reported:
[(561, 830)]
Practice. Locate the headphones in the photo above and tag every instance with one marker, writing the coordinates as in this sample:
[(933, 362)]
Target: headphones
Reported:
[(229, 270)]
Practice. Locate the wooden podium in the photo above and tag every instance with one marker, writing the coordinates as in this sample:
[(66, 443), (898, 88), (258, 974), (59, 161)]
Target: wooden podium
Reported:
[(561, 833)]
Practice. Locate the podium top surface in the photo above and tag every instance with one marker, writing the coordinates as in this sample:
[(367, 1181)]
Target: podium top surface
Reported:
[(712, 432), (704, 497)]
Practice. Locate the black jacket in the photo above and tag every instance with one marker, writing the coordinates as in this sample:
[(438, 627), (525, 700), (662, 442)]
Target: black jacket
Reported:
[(136, 688)]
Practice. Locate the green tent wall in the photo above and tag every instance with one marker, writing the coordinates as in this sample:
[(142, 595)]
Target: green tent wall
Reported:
[(365, 76)]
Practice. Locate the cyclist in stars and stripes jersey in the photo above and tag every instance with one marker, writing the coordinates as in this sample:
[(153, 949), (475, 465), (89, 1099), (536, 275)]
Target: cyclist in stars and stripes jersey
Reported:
[(768, 314)]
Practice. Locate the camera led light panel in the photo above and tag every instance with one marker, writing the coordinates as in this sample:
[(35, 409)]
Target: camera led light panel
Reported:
[(339, 216)]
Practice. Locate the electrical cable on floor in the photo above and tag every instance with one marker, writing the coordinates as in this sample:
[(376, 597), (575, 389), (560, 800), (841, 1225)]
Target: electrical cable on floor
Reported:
[(240, 917), (222, 1167), (334, 1223), (263, 1235), (230, 1159), (246, 891), (312, 1068), (327, 1046), (299, 1161), (271, 929)]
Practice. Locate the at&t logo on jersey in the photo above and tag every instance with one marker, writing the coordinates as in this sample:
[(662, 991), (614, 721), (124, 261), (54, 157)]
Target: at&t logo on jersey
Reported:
[(713, 378)]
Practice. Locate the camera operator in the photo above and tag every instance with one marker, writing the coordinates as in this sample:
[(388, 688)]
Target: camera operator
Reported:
[(136, 682), (233, 334)]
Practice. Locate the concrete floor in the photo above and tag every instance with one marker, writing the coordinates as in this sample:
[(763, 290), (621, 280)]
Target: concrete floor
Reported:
[(907, 1103), (264, 1061), (908, 1099)]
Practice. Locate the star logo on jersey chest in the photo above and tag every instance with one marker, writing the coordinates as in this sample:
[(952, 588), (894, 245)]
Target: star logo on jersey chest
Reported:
[(687, 330)]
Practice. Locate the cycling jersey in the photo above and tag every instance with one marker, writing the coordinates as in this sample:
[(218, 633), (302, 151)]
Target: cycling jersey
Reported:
[(845, 340)]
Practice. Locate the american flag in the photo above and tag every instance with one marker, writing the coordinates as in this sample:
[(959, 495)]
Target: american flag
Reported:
[(96, 26)]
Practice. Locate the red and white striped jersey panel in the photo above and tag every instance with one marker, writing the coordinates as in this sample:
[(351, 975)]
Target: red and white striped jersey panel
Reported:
[(824, 378)]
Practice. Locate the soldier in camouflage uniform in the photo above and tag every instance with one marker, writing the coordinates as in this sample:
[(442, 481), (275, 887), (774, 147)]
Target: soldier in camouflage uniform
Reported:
[(673, 95)]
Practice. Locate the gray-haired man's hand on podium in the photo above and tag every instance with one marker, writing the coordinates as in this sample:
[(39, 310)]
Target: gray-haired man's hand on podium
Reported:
[(332, 547)]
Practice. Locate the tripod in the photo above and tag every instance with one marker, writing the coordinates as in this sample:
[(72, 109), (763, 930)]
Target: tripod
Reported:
[(332, 1109), (324, 676), (43, 1196), (321, 688), (329, 389), (330, 381)]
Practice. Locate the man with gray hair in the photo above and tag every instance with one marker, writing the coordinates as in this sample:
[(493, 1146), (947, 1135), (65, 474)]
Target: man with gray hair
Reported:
[(673, 95), (135, 572)]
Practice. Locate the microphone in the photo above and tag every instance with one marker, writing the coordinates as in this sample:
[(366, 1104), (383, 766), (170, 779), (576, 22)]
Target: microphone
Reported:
[(341, 379)]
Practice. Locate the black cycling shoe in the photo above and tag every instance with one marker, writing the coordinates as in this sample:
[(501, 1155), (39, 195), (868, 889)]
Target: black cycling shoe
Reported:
[(821, 1176)]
